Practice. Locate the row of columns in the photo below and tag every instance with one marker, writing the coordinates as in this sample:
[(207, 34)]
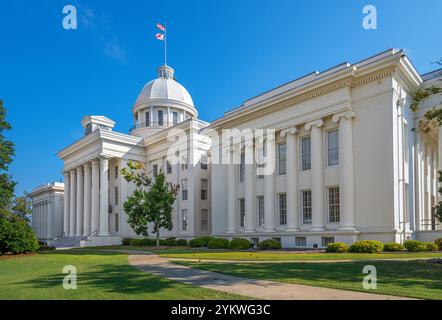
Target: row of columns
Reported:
[(41, 220), (346, 180), (86, 200)]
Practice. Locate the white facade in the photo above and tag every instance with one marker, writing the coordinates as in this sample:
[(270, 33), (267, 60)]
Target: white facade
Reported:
[(348, 165)]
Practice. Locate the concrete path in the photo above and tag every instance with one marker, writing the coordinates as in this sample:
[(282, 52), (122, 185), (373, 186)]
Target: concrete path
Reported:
[(260, 289)]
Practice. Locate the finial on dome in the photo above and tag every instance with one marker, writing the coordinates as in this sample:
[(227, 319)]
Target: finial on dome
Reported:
[(165, 72)]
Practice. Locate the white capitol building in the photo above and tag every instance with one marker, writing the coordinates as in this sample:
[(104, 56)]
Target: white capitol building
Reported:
[(347, 165)]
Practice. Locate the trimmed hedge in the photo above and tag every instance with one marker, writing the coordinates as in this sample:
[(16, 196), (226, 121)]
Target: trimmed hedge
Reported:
[(240, 244), (269, 244), (182, 243), (431, 246), (218, 243), (366, 246), (200, 242), (393, 246), (149, 242), (337, 247), (415, 245), (16, 236), (438, 243)]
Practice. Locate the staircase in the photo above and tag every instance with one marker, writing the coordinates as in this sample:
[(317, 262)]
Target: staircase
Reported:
[(67, 242)]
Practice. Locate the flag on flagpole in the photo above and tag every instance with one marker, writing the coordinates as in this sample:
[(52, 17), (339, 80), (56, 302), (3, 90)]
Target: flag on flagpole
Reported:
[(159, 36), (161, 27)]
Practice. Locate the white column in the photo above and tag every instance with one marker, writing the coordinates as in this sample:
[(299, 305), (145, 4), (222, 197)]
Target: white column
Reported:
[(80, 194), (269, 185), (346, 170), (66, 203), (87, 199), (72, 202), (95, 199), (38, 224), (317, 174), (231, 189), (169, 122), (49, 221), (249, 185), (291, 178), (104, 197), (151, 116)]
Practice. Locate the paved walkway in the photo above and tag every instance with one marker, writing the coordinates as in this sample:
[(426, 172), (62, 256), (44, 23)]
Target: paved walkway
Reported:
[(260, 289)]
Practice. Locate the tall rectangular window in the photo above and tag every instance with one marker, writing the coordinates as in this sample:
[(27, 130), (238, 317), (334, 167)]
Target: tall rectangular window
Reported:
[(160, 117), (260, 210), (306, 155), (282, 208), (281, 158), (242, 166), (242, 212), (116, 222), (184, 220), (175, 117), (147, 115), (204, 189), (155, 170), (300, 241), (306, 197), (184, 189), (261, 162), (184, 163), (168, 167), (333, 204), (204, 162), (116, 196), (325, 241), (332, 147), (204, 219), (116, 172)]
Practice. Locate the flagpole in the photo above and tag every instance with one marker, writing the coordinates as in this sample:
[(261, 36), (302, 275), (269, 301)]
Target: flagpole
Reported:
[(165, 45)]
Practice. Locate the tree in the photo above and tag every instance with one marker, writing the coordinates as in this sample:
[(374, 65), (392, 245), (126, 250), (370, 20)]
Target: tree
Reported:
[(430, 118), (6, 153), (22, 206), (151, 202)]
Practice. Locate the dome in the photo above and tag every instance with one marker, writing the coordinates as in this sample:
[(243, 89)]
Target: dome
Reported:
[(163, 89)]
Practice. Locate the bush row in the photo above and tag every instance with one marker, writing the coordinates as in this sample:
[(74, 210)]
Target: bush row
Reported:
[(153, 242), (234, 244), (373, 246)]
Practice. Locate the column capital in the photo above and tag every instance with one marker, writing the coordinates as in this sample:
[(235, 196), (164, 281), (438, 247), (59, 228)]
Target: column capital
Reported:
[(87, 165), (287, 131), (316, 123), (79, 168), (346, 114), (95, 162)]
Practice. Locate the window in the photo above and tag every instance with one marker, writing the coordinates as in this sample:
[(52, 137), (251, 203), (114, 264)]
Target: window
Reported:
[(116, 172), (184, 189), (254, 241), (184, 220), (116, 196), (204, 189), (147, 115), (204, 219), (261, 162), (260, 209), (300, 241), (306, 154), (242, 166), (136, 118), (332, 147), (168, 167), (241, 213), (282, 208), (155, 170), (203, 162), (160, 117), (108, 175), (116, 222), (325, 241), (306, 206), (184, 164), (333, 204), (281, 158), (175, 118)]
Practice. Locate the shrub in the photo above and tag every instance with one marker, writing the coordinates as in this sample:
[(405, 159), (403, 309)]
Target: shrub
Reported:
[(171, 241), (182, 242), (16, 236), (393, 246), (337, 247), (431, 246), (366, 246), (43, 247), (126, 241), (218, 243), (415, 245), (438, 243), (146, 242), (240, 244), (200, 241), (269, 244)]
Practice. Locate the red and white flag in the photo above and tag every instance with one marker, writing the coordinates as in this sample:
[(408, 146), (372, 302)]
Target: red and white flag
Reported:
[(161, 27), (159, 36)]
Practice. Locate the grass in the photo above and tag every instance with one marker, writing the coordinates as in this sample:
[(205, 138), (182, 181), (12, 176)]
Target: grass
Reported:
[(290, 256), (101, 275), (417, 279)]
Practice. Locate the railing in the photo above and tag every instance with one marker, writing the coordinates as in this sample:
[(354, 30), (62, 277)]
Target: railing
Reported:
[(56, 238), (93, 233), (152, 124), (433, 224)]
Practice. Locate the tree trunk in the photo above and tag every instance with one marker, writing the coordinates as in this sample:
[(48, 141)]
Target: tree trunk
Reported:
[(158, 237)]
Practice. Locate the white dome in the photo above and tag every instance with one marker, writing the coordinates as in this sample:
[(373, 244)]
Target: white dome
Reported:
[(165, 88)]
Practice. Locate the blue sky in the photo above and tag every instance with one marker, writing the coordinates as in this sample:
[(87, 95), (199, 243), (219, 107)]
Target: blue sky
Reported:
[(223, 52)]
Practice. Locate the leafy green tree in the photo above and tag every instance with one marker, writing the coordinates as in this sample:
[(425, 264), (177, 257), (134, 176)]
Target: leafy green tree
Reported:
[(151, 202), (6, 154), (16, 235), (22, 206)]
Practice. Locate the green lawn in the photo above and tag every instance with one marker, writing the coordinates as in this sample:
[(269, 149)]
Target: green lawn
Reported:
[(289, 256), (419, 279), (101, 275)]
